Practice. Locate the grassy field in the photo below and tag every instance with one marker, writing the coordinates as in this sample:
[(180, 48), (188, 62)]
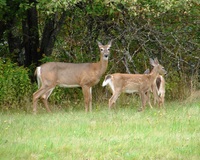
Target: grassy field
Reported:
[(120, 134)]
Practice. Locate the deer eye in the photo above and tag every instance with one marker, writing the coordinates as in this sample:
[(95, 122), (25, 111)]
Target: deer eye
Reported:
[(101, 49)]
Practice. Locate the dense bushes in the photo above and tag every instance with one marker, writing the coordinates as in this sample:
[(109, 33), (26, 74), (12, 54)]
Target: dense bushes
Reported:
[(15, 85), (16, 88), (140, 30)]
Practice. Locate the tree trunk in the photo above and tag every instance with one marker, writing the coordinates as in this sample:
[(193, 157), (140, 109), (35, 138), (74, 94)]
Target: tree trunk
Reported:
[(2, 29), (14, 41), (31, 35), (51, 30)]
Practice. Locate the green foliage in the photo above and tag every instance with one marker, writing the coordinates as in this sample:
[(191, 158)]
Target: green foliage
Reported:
[(2, 3), (140, 29), (51, 7), (15, 85)]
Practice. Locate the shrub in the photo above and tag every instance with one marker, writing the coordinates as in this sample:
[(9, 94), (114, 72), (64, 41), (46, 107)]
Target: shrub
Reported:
[(15, 85)]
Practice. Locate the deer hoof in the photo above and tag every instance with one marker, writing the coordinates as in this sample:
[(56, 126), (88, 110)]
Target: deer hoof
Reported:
[(140, 110)]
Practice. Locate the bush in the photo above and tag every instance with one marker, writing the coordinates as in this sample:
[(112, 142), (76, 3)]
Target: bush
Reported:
[(15, 85)]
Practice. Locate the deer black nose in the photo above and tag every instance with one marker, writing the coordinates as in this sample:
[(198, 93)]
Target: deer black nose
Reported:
[(165, 72)]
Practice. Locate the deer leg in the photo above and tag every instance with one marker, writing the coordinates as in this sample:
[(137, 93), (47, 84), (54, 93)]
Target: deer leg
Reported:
[(156, 99), (90, 99), (163, 101), (35, 101), (155, 95), (149, 99), (45, 98), (160, 102), (113, 99), (87, 97), (144, 98), (37, 95)]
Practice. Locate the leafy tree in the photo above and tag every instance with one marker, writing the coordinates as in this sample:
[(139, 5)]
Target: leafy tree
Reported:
[(67, 31), (21, 28)]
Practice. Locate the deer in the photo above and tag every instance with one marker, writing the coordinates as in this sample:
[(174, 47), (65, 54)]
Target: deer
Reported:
[(70, 75), (130, 83), (158, 90)]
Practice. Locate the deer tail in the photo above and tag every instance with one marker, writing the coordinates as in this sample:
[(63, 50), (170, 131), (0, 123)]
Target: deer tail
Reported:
[(106, 80), (38, 76)]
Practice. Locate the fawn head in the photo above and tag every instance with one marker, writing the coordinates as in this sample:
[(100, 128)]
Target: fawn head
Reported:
[(158, 67)]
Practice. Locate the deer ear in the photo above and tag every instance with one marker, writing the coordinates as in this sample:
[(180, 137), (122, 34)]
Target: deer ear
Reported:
[(110, 43), (156, 61), (147, 71), (152, 62), (99, 43)]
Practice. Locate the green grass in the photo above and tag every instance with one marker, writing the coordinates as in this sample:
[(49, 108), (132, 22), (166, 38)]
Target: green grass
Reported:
[(120, 134)]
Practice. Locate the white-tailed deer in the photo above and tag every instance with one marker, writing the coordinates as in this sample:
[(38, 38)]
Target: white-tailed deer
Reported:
[(84, 75), (158, 90), (130, 83)]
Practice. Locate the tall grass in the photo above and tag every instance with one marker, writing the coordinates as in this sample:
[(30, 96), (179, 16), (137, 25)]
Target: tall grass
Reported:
[(123, 133)]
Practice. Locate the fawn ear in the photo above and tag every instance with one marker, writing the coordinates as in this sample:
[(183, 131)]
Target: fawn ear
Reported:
[(147, 71), (156, 61), (152, 62)]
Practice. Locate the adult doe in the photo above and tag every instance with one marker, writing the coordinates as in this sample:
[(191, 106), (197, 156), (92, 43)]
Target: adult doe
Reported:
[(84, 75)]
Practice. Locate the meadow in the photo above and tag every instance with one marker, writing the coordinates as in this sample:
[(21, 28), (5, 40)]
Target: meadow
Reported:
[(120, 134)]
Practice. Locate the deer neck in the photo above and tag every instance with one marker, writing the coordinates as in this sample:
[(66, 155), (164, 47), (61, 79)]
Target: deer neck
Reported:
[(102, 64), (154, 74)]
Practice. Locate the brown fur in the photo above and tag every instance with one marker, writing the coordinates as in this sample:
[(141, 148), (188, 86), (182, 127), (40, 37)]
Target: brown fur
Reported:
[(84, 75), (130, 83)]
